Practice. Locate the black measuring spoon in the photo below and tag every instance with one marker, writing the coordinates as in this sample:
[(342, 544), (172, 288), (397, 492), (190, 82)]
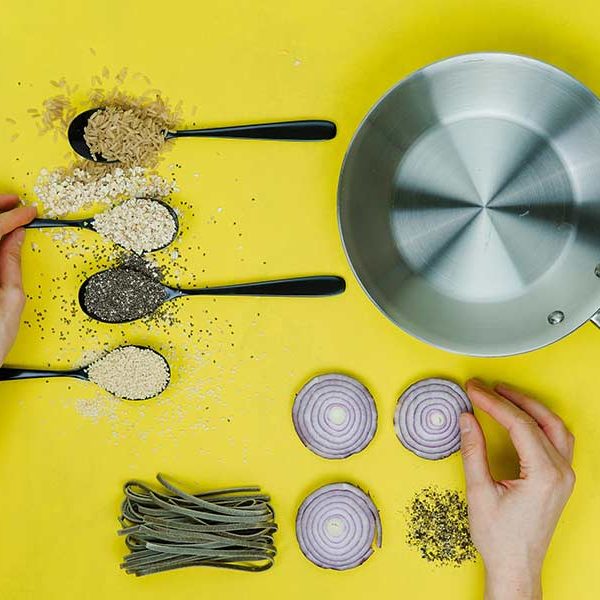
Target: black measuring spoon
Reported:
[(15, 373), (89, 223), (125, 295), (293, 131)]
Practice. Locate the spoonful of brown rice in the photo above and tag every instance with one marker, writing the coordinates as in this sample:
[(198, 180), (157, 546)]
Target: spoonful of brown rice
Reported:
[(136, 136), (128, 372)]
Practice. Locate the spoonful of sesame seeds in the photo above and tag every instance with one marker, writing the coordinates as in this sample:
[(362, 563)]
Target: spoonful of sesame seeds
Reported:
[(128, 372), (121, 294), (132, 136), (139, 224)]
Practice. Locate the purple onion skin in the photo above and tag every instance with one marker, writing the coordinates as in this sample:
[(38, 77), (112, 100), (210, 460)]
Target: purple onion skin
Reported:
[(357, 518), (318, 433), (427, 417)]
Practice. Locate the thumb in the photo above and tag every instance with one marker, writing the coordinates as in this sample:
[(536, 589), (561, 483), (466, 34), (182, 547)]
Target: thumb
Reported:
[(10, 259), (474, 453)]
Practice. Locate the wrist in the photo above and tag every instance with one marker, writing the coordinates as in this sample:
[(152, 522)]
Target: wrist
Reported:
[(513, 585)]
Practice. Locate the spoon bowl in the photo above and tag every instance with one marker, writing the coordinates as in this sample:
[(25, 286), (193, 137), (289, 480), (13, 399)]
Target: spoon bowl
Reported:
[(75, 133), (16, 373), (292, 131)]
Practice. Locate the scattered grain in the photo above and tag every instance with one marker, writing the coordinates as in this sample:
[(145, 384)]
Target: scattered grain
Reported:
[(67, 190)]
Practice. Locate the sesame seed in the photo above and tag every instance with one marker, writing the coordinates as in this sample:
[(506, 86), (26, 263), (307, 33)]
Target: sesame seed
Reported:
[(131, 372)]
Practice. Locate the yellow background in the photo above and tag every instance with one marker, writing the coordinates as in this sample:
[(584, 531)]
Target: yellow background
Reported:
[(66, 449)]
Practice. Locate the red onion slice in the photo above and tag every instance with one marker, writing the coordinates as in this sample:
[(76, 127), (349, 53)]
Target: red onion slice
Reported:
[(335, 415), (337, 525), (427, 417)]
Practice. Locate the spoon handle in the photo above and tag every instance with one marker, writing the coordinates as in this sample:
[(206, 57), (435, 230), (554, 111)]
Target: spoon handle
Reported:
[(289, 130), (8, 373), (43, 223), (321, 285)]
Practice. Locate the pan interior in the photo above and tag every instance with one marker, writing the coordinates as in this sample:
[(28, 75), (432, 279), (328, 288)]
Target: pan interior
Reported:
[(468, 204), (479, 228)]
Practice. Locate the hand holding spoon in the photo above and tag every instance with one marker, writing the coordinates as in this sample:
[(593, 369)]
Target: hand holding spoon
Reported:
[(139, 224), (121, 295), (307, 130), (128, 372)]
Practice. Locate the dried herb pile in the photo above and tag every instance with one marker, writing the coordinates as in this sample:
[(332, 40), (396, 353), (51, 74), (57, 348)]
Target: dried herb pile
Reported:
[(438, 527)]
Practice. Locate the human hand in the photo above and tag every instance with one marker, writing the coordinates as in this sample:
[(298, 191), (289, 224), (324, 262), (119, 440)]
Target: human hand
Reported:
[(512, 522), (12, 298)]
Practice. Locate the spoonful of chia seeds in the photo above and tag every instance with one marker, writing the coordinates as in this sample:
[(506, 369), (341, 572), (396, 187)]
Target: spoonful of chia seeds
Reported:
[(128, 372), (121, 294), (139, 224)]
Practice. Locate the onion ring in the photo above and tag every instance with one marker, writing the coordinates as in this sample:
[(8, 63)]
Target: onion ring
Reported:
[(427, 417), (334, 415), (337, 525)]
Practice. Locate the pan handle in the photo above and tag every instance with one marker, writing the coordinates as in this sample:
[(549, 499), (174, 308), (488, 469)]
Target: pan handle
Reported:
[(596, 319)]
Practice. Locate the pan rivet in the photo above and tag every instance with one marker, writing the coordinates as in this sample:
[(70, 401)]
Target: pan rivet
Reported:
[(597, 270), (556, 317)]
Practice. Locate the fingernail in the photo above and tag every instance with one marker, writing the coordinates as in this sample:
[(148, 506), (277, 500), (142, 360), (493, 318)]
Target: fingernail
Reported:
[(465, 423), (476, 382), (19, 235)]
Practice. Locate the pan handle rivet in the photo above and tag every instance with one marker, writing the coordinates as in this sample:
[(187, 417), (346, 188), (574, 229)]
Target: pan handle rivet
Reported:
[(597, 270), (556, 317)]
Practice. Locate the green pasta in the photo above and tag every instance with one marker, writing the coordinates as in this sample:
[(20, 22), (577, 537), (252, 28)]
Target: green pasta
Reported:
[(170, 529)]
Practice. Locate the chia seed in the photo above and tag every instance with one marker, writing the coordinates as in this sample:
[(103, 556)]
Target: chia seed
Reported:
[(140, 264), (122, 294)]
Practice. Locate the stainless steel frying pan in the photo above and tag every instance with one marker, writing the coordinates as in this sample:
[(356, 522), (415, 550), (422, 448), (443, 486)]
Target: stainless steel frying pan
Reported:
[(469, 204)]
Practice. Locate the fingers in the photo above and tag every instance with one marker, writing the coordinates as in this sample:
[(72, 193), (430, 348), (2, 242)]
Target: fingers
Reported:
[(8, 201), (10, 261), (474, 453), (524, 432), (552, 425), (16, 217)]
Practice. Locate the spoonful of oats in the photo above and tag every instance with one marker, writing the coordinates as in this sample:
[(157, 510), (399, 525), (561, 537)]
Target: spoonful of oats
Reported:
[(139, 224)]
